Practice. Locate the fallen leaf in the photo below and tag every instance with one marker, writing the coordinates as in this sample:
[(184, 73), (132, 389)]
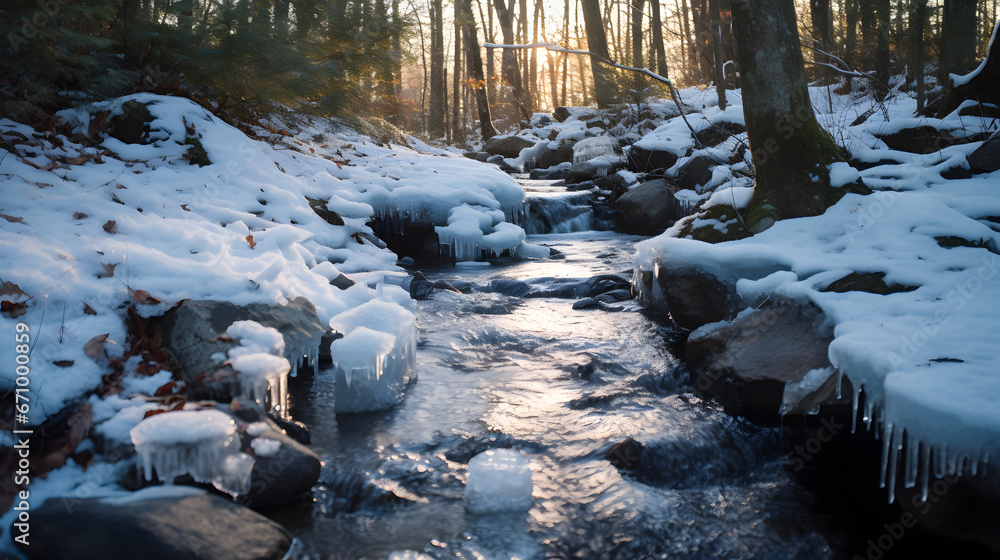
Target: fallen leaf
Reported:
[(79, 160), (111, 227), (142, 296), (250, 240), (109, 269), (40, 185), (88, 310), (120, 186), (12, 219), (10, 288), (13, 309), (185, 207), (153, 412), (165, 389), (79, 215), (325, 146), (221, 338), (63, 363), (95, 346)]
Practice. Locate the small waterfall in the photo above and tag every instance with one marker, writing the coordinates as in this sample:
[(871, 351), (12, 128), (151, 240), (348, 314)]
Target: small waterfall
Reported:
[(565, 212)]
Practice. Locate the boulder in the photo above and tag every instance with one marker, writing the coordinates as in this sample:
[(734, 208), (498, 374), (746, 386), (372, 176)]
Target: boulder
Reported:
[(625, 454), (561, 114), (696, 172), (719, 133), (552, 156), (986, 158), (746, 362), (318, 206), (642, 160), (544, 174), (648, 208), (615, 296), (172, 524), (190, 329), (916, 140), (582, 172), (585, 303), (499, 161), (283, 468), (695, 297), (507, 146), (132, 126)]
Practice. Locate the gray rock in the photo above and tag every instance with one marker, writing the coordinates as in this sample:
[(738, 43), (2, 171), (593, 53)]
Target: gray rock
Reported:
[(642, 160), (647, 208), (695, 173), (507, 146), (697, 298), (342, 282), (287, 474), (553, 156), (187, 331), (503, 165), (585, 303), (986, 158), (746, 362), (482, 156), (192, 527), (561, 114), (614, 296), (132, 126), (582, 172)]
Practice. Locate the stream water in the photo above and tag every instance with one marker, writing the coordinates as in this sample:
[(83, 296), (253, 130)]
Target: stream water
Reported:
[(497, 369)]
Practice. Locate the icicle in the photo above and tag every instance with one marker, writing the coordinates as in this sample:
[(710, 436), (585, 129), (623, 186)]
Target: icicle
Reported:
[(854, 417), (886, 442), (925, 468), (911, 465), (941, 461), (897, 448)]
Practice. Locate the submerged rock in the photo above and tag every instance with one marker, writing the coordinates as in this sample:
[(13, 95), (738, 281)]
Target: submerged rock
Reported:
[(585, 303), (647, 208)]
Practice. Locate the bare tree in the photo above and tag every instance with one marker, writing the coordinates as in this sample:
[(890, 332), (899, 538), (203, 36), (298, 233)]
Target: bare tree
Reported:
[(508, 62), (474, 65), (657, 38), (637, 6), (436, 112), (597, 43)]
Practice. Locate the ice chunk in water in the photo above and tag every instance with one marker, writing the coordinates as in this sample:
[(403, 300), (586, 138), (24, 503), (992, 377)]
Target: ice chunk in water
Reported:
[(375, 359), (201, 443), (263, 372), (499, 481)]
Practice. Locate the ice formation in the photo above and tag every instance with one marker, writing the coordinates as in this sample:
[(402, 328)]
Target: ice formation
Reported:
[(375, 359), (473, 230), (499, 481), (200, 443), (263, 372), (559, 212), (590, 148)]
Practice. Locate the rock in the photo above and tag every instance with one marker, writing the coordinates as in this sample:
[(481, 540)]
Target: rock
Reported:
[(132, 126), (597, 122), (695, 297), (507, 146), (318, 206), (696, 172), (607, 283), (916, 140), (717, 134), (482, 156), (746, 362), (187, 525), (281, 472), (581, 172), (986, 158), (542, 174), (420, 286), (470, 155), (983, 110), (553, 156), (502, 164), (625, 454), (188, 328), (585, 303), (642, 160), (871, 282), (362, 236), (293, 429), (647, 208), (405, 261), (615, 296), (561, 114), (342, 282)]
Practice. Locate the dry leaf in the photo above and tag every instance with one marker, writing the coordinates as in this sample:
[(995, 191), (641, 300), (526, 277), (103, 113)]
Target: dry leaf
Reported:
[(142, 296), (111, 227), (153, 412), (165, 389), (13, 309), (40, 185), (12, 289), (109, 269), (88, 310), (63, 363), (185, 207), (79, 160), (221, 338), (12, 219), (120, 186), (95, 346), (250, 240), (79, 215)]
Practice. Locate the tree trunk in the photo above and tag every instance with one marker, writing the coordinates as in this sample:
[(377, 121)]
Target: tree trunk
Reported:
[(883, 71), (720, 80), (983, 85), (958, 38), (789, 148), (657, 30), (597, 43), (457, 124), (436, 111), (474, 66), (509, 70), (822, 24), (851, 15), (637, 6), (918, 11)]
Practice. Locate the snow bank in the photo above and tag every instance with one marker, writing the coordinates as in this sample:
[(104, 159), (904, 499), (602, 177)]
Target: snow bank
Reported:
[(499, 481)]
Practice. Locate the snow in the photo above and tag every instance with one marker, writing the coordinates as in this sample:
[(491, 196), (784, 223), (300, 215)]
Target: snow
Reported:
[(265, 447), (958, 81), (499, 481), (375, 359), (590, 148), (263, 372), (737, 197), (201, 443)]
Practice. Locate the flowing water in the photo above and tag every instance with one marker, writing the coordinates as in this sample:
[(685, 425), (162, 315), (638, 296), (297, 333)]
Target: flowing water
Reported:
[(498, 369)]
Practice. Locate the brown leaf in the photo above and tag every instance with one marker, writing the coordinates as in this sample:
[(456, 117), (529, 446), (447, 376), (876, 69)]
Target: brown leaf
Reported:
[(120, 186), (95, 346), (40, 185), (250, 240), (13, 309), (221, 338), (185, 207), (111, 227), (109, 269), (165, 389), (79, 160), (63, 363), (12, 289), (153, 412), (88, 310), (142, 296), (79, 215), (12, 219)]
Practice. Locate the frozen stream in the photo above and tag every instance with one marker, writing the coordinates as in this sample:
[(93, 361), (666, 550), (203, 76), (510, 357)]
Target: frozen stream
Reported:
[(563, 386)]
